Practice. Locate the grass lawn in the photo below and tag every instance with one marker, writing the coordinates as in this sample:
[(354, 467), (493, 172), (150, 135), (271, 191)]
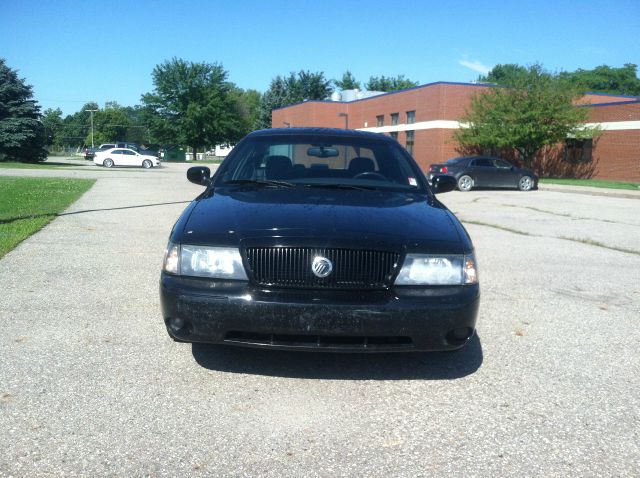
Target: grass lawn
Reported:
[(594, 183), (80, 166), (199, 161), (43, 165), (28, 204)]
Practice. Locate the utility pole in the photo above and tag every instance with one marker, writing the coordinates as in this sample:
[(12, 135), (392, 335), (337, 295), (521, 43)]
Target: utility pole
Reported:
[(91, 111)]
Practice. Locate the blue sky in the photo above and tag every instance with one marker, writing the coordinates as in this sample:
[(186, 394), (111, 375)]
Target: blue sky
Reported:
[(77, 51)]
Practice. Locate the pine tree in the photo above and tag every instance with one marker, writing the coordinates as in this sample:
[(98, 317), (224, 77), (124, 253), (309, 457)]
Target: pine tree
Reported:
[(22, 135), (287, 90), (348, 82)]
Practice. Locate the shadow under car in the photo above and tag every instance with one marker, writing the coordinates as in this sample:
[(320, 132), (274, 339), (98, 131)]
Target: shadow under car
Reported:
[(342, 366)]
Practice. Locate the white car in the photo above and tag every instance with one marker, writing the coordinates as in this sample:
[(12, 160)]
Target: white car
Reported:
[(124, 157)]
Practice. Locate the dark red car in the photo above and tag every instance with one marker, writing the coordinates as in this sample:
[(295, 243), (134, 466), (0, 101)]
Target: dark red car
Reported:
[(89, 153)]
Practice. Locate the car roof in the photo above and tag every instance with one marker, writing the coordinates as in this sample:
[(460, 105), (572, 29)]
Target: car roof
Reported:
[(107, 150), (333, 132)]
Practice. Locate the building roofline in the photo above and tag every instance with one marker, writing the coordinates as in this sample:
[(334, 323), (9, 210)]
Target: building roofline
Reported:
[(616, 95), (311, 101), (314, 130), (426, 85), (613, 103), (633, 99)]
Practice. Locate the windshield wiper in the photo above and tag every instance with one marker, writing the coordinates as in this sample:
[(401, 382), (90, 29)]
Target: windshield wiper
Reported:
[(340, 186), (262, 182)]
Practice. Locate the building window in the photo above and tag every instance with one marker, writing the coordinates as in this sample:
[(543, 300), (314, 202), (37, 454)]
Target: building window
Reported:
[(411, 117), (394, 119), (394, 135), (380, 120), (578, 150), (409, 144)]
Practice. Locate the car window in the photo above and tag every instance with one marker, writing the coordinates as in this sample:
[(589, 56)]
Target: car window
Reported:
[(501, 164), (483, 162), (322, 160), (130, 153), (116, 151)]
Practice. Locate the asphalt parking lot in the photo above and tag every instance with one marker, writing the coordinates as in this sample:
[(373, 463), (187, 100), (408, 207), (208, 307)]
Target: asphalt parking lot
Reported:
[(90, 383)]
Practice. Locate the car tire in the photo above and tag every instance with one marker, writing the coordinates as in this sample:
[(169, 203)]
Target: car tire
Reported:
[(525, 183), (146, 164), (107, 163), (465, 183)]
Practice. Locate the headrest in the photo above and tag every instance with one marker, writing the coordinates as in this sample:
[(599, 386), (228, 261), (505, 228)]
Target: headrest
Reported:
[(361, 164)]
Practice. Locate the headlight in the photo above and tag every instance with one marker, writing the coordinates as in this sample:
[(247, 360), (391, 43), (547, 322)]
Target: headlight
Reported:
[(422, 269), (202, 261)]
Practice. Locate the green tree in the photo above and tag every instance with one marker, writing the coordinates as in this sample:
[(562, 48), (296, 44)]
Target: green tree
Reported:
[(295, 88), (247, 105), (192, 105), (507, 74), (606, 79), (77, 126), (109, 124), (535, 111), (22, 135), (602, 79), (138, 130), (387, 84), (52, 123), (275, 97), (348, 82)]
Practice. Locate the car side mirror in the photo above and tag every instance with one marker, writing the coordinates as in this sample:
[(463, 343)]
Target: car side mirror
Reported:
[(199, 175), (441, 183)]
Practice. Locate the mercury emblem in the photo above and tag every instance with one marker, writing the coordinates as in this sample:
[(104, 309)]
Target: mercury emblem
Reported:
[(321, 267)]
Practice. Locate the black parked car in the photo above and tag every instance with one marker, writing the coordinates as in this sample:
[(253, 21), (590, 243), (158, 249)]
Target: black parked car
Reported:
[(485, 172), (320, 239)]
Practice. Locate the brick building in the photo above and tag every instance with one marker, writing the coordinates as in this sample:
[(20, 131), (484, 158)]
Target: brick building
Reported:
[(424, 118)]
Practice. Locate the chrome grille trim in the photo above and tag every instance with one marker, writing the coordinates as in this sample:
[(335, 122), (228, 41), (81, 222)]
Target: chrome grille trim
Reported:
[(291, 267)]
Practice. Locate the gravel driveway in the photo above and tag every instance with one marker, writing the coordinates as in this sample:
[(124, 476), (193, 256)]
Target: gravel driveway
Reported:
[(90, 384)]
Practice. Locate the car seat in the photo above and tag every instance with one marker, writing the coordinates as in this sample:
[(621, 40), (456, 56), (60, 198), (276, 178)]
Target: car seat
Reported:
[(277, 167), (360, 164)]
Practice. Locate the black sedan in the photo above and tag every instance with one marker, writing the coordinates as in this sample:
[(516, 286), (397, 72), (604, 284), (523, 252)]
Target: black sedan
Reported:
[(320, 239), (485, 172)]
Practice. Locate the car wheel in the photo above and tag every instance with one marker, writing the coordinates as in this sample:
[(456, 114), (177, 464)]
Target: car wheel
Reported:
[(465, 183), (107, 163), (146, 164), (525, 183)]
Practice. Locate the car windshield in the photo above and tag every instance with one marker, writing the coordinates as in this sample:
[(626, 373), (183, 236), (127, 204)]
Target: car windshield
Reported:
[(348, 162)]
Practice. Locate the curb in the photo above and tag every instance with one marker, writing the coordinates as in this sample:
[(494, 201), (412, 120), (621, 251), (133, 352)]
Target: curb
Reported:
[(589, 191)]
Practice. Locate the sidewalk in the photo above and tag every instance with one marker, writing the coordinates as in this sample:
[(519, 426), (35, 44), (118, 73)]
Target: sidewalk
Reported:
[(590, 191)]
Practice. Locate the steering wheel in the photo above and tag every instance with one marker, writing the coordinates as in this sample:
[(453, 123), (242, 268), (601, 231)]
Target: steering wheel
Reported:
[(370, 175)]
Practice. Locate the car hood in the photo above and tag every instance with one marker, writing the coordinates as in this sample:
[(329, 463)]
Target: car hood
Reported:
[(322, 218)]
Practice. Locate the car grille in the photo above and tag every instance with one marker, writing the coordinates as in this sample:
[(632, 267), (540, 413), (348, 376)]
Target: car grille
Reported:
[(291, 267)]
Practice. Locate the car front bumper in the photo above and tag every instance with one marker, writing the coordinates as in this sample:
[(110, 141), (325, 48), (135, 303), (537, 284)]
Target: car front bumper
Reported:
[(400, 319)]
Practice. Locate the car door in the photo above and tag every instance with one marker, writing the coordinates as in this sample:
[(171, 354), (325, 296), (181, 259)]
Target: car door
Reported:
[(505, 174), (483, 170), (116, 157), (130, 158)]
